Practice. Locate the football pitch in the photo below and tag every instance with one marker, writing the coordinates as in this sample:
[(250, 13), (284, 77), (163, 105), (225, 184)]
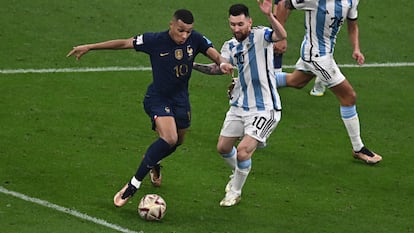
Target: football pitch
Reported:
[(73, 132)]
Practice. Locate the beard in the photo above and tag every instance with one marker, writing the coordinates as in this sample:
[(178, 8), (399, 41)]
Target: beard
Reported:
[(240, 36)]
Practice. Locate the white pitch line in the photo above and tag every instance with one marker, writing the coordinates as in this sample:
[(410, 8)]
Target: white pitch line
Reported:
[(116, 68), (73, 70), (66, 211)]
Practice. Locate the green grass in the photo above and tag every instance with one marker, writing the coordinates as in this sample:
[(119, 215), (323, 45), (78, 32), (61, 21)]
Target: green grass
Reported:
[(74, 139)]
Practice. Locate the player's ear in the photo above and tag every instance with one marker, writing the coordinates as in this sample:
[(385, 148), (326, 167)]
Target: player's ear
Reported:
[(172, 23)]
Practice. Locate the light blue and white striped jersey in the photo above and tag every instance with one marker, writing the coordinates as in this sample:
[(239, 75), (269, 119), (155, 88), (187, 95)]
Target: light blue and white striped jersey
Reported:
[(256, 88), (323, 20)]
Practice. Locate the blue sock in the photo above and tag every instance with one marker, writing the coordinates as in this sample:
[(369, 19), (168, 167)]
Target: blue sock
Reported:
[(244, 164), (281, 79), (172, 149), (231, 154), (348, 111), (157, 166), (155, 152)]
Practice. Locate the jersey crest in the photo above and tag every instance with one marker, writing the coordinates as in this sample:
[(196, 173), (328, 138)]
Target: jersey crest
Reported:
[(178, 54)]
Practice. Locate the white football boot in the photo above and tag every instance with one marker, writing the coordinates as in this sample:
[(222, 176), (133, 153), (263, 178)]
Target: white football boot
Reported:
[(230, 199)]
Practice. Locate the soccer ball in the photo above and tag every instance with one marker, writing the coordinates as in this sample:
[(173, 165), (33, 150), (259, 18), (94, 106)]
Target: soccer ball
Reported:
[(152, 207)]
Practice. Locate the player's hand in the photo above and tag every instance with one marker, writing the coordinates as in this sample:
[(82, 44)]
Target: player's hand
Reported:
[(78, 51), (359, 57), (226, 68), (265, 6), (280, 46)]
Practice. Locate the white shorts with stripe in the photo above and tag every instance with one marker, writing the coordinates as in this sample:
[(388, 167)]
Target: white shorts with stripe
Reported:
[(257, 124), (324, 67)]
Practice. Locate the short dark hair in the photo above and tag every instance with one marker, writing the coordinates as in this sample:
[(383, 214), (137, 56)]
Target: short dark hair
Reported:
[(239, 9), (184, 15)]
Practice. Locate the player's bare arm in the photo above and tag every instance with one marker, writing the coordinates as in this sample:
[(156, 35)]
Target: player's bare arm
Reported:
[(222, 63), (288, 4), (282, 11), (279, 33), (280, 47), (211, 69), (80, 50), (353, 33)]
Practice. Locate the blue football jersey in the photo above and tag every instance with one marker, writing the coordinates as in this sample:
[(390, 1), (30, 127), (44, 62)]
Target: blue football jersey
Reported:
[(171, 63)]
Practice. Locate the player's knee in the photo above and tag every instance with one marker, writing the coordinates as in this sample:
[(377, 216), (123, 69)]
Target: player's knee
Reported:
[(172, 139), (224, 145), (353, 97), (243, 153), (228, 154), (224, 148), (243, 156), (349, 99)]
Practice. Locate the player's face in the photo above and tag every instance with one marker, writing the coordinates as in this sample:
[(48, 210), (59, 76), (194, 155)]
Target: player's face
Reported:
[(240, 26), (180, 31)]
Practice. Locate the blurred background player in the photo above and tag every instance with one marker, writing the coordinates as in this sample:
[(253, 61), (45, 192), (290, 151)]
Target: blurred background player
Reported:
[(280, 47), (166, 102), (255, 107), (323, 20)]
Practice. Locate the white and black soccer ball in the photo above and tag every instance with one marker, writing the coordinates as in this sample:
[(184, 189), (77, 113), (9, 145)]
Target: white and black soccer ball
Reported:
[(152, 207)]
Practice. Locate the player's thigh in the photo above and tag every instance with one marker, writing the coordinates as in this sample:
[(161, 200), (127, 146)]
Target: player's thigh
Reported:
[(230, 132), (160, 111), (300, 76), (167, 129), (233, 125)]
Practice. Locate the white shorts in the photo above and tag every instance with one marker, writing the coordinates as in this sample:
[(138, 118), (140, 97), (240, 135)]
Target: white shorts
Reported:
[(323, 67), (258, 124)]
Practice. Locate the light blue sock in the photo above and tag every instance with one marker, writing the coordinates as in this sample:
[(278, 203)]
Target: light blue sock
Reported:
[(244, 164), (348, 111), (231, 154), (281, 79)]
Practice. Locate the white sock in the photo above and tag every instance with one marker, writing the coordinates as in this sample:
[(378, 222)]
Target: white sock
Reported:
[(240, 176), (231, 158), (318, 86), (135, 182), (352, 127)]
